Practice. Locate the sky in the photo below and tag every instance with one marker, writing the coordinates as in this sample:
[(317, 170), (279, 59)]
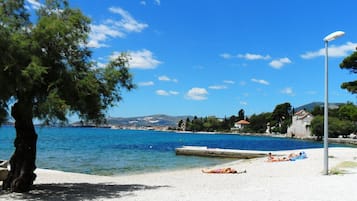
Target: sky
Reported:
[(215, 57)]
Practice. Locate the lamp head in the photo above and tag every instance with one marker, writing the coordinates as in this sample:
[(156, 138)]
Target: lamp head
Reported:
[(334, 35)]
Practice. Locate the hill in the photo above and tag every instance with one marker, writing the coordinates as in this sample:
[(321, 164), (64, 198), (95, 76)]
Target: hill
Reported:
[(310, 106), (146, 121), (161, 120)]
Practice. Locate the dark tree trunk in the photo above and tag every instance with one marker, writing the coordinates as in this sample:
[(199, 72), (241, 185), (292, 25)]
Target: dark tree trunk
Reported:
[(22, 162)]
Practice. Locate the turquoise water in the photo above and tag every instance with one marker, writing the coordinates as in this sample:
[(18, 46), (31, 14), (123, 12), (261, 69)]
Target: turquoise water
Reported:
[(111, 152)]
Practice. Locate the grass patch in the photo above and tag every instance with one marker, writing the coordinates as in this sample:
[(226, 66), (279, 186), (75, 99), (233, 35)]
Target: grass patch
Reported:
[(341, 168), (348, 164), (336, 171)]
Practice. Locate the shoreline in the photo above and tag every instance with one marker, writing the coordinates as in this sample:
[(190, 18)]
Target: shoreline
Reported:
[(264, 181)]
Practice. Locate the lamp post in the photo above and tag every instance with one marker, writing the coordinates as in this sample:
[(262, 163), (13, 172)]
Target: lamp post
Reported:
[(327, 39)]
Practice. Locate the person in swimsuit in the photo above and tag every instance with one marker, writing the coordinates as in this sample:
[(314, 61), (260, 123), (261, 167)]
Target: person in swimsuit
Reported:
[(223, 171), (271, 158)]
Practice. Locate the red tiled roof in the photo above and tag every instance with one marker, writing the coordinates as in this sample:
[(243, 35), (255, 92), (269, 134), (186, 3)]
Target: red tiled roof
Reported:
[(243, 122)]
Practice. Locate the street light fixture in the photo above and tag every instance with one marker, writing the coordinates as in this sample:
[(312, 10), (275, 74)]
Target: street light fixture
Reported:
[(327, 39)]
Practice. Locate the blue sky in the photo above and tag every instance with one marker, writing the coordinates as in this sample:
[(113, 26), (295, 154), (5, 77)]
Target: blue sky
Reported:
[(215, 57)]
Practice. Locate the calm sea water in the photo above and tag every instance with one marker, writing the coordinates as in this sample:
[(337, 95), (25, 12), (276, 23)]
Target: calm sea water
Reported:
[(112, 152)]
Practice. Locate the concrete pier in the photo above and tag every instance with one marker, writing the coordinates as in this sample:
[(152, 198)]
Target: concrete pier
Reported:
[(214, 152)]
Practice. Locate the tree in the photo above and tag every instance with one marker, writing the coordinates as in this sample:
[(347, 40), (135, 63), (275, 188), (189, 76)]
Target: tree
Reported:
[(240, 114), (46, 72), (317, 126), (337, 127), (258, 123), (350, 63), (180, 124), (281, 117), (348, 112), (281, 112), (318, 110)]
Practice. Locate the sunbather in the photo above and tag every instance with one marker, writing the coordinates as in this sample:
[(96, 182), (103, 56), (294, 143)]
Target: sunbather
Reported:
[(300, 155), (290, 157), (271, 158), (224, 171)]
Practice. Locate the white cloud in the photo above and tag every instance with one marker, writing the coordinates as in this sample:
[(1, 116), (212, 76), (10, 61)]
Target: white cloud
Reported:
[(173, 92), (333, 51), (217, 87), (225, 56), (278, 63), (250, 56), (114, 29), (145, 84), (288, 91), (228, 81), (100, 33), (311, 55), (161, 92), (158, 2), (260, 81), (166, 79), (101, 65), (127, 23), (243, 103), (197, 94), (141, 59), (34, 4)]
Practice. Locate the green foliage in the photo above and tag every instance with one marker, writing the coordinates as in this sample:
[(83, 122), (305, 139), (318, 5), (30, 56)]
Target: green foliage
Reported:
[(350, 63), (336, 128), (241, 115), (348, 112), (342, 121), (48, 64), (317, 111), (317, 126), (258, 123), (339, 127), (208, 124), (281, 118)]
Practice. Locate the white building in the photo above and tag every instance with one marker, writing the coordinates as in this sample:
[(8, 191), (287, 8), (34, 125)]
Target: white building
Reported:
[(241, 124), (300, 126)]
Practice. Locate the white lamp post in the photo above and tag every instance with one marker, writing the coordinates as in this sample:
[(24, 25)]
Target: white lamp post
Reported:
[(327, 39)]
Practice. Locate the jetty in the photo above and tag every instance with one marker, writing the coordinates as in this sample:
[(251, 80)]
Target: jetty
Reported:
[(216, 152)]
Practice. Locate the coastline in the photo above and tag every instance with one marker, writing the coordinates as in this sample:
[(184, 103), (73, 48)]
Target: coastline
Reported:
[(265, 181)]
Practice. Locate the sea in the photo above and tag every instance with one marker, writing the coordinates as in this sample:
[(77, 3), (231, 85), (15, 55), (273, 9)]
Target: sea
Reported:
[(103, 151)]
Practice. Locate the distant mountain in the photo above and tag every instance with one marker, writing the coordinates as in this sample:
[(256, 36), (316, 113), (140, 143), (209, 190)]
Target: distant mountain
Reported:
[(162, 120), (309, 107), (151, 120)]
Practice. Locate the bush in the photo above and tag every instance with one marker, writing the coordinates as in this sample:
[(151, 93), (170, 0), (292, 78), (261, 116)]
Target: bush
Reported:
[(336, 128)]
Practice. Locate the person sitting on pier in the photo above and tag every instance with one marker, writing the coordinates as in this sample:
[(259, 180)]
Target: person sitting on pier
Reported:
[(224, 171)]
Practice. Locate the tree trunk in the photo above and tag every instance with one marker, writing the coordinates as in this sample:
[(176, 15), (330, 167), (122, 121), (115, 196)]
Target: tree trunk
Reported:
[(22, 162)]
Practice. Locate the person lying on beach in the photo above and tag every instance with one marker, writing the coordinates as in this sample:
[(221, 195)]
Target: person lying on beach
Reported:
[(300, 155), (290, 157), (224, 171), (272, 158)]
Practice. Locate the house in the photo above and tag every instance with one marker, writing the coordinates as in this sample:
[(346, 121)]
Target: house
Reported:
[(300, 126), (241, 124)]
